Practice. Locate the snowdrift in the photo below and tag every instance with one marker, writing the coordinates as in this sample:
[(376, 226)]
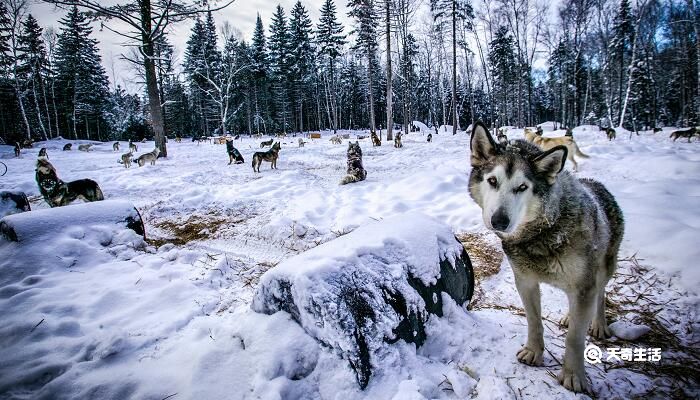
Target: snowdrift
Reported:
[(35, 225), (366, 290)]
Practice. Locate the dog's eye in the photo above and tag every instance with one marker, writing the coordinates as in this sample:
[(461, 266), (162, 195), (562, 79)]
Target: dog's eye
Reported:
[(492, 181), (521, 188)]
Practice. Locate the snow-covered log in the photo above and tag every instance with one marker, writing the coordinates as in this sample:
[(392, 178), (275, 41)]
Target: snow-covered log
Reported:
[(13, 203), (35, 225), (379, 284)]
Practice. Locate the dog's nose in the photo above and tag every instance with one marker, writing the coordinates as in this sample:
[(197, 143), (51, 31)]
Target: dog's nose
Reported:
[(500, 220)]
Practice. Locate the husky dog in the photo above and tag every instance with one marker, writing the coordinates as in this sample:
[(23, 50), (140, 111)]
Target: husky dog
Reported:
[(27, 144), (546, 143), (657, 130), (126, 159), (356, 172), (610, 132), (236, 137), (67, 146), (84, 147), (301, 142), (234, 156), (502, 138), (17, 149), (132, 146), (59, 193), (687, 133), (115, 146), (539, 131), (178, 139), (397, 141), (569, 132), (43, 153), (335, 139), (150, 156), (269, 156), (555, 229), (430, 137), (375, 139), (266, 143)]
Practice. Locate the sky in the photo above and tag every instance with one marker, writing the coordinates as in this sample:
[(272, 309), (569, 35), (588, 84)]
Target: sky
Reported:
[(240, 15)]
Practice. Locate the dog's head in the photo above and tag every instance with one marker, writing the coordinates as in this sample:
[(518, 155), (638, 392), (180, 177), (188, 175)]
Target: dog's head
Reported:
[(277, 146), (354, 149), (509, 182), (156, 151)]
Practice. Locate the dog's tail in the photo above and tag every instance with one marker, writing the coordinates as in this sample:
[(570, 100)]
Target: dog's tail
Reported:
[(578, 151)]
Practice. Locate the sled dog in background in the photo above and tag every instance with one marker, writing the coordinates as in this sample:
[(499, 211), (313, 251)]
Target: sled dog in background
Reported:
[(43, 153), (59, 193), (270, 156), (266, 143), (375, 139), (547, 143), (555, 229), (151, 156), (397, 140), (126, 159), (115, 147)]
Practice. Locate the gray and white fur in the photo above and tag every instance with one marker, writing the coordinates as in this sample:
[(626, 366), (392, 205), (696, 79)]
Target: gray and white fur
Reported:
[(554, 229), (356, 172)]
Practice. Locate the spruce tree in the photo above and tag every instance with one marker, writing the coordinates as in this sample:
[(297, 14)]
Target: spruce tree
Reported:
[(366, 16), (260, 75), (302, 60), (279, 57), (32, 69), (330, 39)]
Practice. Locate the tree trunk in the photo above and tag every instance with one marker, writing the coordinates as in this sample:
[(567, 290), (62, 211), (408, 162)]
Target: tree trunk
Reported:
[(152, 80), (454, 67), (389, 104), (372, 126)]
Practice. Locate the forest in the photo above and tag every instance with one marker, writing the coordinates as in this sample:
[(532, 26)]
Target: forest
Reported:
[(616, 63)]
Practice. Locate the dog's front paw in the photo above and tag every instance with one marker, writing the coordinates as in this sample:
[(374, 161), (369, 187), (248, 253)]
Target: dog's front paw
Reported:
[(530, 357), (600, 330), (574, 381)]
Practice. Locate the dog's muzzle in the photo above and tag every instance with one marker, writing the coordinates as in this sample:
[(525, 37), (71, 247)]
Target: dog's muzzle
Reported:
[(500, 220)]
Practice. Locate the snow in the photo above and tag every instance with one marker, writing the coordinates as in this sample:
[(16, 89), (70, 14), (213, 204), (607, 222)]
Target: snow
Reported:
[(96, 312)]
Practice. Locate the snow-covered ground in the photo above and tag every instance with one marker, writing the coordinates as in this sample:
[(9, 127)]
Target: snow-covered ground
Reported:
[(85, 317)]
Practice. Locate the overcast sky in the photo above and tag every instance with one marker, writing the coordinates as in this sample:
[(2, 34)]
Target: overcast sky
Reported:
[(240, 15)]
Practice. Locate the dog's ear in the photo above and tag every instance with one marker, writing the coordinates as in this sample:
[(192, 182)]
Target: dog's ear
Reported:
[(551, 163), (482, 145)]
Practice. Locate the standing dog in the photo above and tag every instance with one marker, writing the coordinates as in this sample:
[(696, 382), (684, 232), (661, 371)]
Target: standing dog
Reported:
[(555, 229), (132, 146), (301, 142), (115, 146), (151, 156), (546, 143), (59, 193), (430, 137), (356, 172), (266, 143), (397, 141), (375, 139), (43, 153), (335, 139), (126, 159), (17, 149), (687, 133), (269, 156), (610, 132)]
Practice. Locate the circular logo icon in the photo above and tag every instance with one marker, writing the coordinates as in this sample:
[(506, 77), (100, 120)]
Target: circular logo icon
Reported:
[(593, 354)]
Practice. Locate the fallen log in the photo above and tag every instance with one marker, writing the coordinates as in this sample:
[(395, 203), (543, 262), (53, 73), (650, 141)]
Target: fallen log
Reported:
[(366, 290)]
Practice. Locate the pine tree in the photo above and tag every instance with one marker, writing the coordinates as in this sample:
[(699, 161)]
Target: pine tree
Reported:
[(302, 59), (330, 39), (32, 68), (260, 75), (502, 60), (80, 77), (365, 14), (620, 44), (279, 56)]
